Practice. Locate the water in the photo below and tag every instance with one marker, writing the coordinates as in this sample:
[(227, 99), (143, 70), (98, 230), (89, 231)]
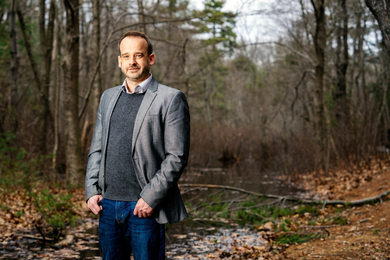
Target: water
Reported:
[(85, 246), (187, 239), (222, 242), (193, 237), (248, 176)]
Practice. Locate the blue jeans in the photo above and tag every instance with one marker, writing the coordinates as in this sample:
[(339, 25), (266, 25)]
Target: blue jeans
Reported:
[(121, 232)]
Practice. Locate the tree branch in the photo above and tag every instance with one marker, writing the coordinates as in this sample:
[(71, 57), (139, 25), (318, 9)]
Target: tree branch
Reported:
[(29, 53), (296, 91), (300, 54)]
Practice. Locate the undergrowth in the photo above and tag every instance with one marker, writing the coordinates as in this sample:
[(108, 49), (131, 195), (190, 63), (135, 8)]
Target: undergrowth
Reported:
[(257, 213), (21, 171), (296, 238), (252, 211)]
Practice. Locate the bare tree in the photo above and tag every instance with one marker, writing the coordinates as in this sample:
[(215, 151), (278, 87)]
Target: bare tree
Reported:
[(70, 66), (319, 40), (57, 93), (97, 90), (46, 36), (14, 69), (42, 77), (381, 10), (342, 57), (141, 16)]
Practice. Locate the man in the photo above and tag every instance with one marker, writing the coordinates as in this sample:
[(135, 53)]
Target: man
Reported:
[(138, 152)]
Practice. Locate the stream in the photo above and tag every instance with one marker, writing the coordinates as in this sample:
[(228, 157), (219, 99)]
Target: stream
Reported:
[(189, 239)]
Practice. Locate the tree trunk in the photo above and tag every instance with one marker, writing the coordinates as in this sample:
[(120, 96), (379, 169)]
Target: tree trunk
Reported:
[(319, 40), (46, 48), (97, 90), (86, 50), (57, 97), (12, 121), (340, 95), (107, 74), (381, 10), (70, 65), (141, 17)]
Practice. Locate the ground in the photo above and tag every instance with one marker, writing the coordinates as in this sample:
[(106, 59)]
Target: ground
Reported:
[(366, 235), (357, 232)]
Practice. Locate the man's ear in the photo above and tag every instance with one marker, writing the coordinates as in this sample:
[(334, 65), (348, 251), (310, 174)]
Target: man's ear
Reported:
[(151, 59), (119, 62)]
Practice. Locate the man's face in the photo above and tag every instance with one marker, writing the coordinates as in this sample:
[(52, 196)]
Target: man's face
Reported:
[(133, 60)]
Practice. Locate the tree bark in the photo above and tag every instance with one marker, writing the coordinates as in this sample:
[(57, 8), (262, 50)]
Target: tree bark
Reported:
[(12, 121), (57, 97), (97, 89), (340, 95), (381, 10), (141, 17), (70, 65), (46, 36), (319, 40)]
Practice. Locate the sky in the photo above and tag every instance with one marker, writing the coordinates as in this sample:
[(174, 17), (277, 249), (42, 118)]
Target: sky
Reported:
[(251, 27)]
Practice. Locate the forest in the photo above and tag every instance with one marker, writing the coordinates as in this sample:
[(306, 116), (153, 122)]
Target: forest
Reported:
[(310, 94), (314, 98)]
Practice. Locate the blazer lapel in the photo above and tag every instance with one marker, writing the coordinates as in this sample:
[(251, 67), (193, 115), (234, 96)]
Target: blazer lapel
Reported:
[(150, 95), (111, 106)]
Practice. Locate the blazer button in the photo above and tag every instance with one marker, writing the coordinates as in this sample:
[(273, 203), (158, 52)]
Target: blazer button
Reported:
[(103, 175)]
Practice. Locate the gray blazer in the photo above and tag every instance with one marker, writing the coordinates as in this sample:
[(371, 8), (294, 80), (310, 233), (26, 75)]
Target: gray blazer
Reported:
[(160, 148)]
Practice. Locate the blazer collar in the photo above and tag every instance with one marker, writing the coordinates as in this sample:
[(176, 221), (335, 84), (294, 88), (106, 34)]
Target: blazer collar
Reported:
[(153, 85)]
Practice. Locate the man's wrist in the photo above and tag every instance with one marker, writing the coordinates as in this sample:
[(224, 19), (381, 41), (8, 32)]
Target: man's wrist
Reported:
[(92, 196)]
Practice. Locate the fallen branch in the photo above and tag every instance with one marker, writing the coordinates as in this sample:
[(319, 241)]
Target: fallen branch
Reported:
[(35, 237), (320, 227), (289, 198), (192, 189), (305, 233), (224, 221)]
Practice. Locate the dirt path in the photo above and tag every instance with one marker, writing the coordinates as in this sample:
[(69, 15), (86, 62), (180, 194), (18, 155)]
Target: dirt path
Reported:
[(366, 235)]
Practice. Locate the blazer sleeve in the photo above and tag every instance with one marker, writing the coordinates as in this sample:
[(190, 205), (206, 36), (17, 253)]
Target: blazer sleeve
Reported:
[(94, 157), (176, 145)]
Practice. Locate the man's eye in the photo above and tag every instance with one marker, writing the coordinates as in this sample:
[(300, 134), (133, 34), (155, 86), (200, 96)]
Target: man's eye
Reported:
[(138, 55)]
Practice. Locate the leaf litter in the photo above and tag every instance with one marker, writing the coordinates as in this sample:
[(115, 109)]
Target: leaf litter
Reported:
[(354, 232)]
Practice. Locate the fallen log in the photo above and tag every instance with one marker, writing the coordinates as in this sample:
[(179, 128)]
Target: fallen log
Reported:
[(288, 198)]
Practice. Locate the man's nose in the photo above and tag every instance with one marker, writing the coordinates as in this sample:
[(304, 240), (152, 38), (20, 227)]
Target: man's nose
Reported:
[(132, 60)]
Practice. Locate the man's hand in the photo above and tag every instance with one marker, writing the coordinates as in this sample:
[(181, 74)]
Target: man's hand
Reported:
[(142, 209), (93, 204)]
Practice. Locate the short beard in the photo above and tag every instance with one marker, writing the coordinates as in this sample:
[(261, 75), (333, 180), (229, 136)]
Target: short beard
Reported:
[(144, 74)]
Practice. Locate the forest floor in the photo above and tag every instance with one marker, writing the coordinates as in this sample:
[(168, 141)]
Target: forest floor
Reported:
[(339, 232), (366, 233)]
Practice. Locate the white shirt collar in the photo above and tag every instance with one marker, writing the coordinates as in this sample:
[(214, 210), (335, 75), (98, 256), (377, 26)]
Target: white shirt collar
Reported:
[(140, 88)]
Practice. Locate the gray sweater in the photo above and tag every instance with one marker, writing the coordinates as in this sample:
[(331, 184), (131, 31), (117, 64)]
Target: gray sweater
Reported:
[(121, 181)]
